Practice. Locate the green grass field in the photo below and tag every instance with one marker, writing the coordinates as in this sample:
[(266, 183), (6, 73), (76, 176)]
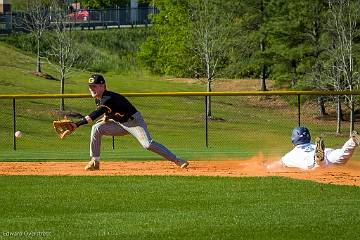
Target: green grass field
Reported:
[(145, 207), (177, 208)]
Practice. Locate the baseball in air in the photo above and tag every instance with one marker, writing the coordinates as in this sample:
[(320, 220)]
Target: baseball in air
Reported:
[(18, 134)]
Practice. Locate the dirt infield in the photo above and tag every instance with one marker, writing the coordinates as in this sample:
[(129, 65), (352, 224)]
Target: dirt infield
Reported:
[(348, 174)]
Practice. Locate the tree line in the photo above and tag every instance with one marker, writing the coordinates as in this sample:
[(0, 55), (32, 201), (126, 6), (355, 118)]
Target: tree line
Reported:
[(307, 44), (93, 4), (297, 43)]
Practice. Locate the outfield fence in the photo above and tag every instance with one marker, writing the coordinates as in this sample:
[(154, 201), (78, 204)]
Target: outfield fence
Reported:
[(235, 125)]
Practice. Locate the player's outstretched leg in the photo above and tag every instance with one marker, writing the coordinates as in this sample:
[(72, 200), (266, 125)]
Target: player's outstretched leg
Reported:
[(139, 130), (166, 153), (319, 150)]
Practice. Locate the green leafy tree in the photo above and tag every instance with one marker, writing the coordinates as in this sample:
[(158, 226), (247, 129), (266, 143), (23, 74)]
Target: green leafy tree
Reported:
[(314, 20), (298, 43), (191, 39), (286, 41), (167, 51), (295, 30), (311, 19), (250, 56)]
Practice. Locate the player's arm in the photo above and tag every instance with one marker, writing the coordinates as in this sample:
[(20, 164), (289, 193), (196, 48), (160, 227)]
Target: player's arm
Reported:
[(92, 116)]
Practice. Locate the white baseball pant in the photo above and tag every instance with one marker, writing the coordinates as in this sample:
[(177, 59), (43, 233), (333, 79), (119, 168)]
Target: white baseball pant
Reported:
[(342, 155)]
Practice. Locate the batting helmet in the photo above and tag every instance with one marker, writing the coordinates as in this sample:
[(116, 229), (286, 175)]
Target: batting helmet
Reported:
[(300, 135)]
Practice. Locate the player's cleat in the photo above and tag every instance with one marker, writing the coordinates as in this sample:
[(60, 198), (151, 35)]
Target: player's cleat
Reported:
[(319, 150), (92, 165), (184, 165), (181, 163), (355, 137)]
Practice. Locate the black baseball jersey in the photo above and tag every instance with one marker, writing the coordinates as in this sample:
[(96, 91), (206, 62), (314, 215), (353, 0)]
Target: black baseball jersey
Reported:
[(114, 106)]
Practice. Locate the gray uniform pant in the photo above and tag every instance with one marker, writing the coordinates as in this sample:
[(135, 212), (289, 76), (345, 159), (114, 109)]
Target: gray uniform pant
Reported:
[(136, 127)]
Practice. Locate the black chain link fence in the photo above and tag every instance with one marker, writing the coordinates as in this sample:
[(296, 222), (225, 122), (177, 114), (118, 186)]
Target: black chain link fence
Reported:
[(87, 18), (238, 127)]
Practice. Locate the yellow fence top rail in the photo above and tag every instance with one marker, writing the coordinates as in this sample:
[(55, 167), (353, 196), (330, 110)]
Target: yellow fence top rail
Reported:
[(149, 94)]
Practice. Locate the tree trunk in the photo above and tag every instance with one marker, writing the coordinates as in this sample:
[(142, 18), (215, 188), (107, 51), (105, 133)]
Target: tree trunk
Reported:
[(322, 106), (352, 114), (209, 99), (263, 78), (38, 60), (62, 90), (339, 116), (293, 71), (209, 78), (263, 68)]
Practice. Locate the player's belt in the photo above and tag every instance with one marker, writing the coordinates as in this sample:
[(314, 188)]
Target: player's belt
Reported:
[(132, 117)]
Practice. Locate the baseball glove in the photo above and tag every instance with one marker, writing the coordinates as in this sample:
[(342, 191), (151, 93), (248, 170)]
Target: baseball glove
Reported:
[(63, 127)]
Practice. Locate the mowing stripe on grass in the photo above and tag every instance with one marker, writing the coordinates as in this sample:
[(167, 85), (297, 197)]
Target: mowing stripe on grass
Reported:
[(147, 207)]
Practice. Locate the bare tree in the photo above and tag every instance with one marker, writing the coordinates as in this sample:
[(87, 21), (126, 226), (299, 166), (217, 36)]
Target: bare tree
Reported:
[(210, 30), (342, 21), (333, 75), (36, 19), (63, 53)]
